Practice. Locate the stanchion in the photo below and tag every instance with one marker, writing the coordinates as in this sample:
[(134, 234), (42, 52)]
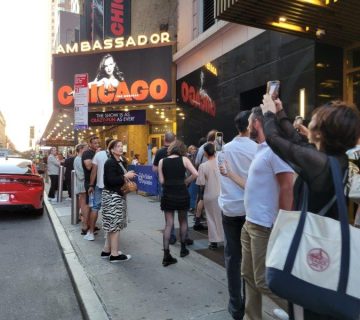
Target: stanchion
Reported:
[(61, 183), (74, 205)]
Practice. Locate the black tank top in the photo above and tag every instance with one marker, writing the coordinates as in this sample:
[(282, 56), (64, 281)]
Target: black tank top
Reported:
[(174, 171)]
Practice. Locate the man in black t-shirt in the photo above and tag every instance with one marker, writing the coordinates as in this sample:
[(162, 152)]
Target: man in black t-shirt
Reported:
[(161, 154), (69, 166), (86, 161)]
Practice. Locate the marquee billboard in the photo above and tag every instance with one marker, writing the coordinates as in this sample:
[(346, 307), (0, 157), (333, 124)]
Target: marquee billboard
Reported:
[(136, 76)]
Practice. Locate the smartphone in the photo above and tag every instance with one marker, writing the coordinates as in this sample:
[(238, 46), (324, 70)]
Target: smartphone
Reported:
[(219, 141), (299, 120), (273, 88)]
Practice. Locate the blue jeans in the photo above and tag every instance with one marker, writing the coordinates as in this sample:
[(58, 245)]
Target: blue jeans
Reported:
[(193, 190), (97, 199), (232, 252)]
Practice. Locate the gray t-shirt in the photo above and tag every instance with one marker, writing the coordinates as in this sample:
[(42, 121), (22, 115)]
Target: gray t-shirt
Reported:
[(53, 165)]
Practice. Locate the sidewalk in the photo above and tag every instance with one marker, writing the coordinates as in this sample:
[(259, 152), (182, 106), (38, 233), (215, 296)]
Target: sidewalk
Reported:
[(194, 288)]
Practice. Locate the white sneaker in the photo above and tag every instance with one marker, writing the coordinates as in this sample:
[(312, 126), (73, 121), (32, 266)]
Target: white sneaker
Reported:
[(68, 199), (52, 199), (89, 236), (280, 314)]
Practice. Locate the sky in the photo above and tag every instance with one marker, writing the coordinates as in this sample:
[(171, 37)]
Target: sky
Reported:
[(25, 86)]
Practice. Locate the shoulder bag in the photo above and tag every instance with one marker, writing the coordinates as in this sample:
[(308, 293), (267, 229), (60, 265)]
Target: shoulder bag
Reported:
[(314, 261), (129, 185)]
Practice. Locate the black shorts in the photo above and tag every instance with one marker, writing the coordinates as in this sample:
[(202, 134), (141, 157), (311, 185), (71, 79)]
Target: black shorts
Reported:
[(86, 185)]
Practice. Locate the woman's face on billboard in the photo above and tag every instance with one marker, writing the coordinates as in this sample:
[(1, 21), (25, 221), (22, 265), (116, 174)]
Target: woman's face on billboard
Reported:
[(109, 66)]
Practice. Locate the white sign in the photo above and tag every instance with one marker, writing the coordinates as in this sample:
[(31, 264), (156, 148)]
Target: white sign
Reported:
[(81, 98)]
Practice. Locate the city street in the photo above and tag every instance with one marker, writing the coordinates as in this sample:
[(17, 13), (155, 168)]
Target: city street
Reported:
[(194, 288), (242, 117), (35, 284)]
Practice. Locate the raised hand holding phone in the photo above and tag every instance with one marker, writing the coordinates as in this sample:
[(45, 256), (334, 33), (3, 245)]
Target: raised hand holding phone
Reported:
[(273, 88), (268, 104)]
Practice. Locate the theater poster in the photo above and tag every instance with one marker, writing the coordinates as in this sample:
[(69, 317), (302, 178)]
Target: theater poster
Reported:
[(199, 90), (117, 18), (127, 77)]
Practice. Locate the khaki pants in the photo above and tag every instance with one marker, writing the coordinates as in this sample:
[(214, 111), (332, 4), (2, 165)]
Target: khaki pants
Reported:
[(254, 240)]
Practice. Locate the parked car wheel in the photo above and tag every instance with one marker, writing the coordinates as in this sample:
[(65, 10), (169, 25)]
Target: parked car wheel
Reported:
[(39, 212)]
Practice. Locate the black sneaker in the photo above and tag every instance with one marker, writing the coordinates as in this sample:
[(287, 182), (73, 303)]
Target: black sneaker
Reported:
[(184, 252), (172, 239), (199, 227), (213, 246), (106, 255), (120, 258), (189, 242)]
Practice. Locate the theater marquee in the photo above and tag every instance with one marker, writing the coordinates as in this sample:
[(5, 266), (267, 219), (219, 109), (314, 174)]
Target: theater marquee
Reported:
[(137, 76)]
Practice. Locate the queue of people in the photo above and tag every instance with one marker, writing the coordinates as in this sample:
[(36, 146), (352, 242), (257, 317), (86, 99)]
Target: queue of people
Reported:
[(241, 191)]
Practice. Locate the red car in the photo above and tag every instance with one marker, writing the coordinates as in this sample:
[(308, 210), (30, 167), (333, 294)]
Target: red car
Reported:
[(21, 187)]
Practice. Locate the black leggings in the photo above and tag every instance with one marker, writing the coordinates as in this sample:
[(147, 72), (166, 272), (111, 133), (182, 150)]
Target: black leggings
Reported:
[(169, 222), (54, 179)]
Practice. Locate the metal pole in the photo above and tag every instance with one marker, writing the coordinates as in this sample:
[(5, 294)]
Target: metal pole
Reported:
[(74, 205), (61, 182)]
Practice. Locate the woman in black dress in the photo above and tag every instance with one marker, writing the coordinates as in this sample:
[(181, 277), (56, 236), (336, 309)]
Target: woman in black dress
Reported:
[(334, 128), (172, 175), (113, 202)]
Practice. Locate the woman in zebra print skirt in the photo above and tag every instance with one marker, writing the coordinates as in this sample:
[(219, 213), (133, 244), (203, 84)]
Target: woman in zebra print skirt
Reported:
[(113, 202)]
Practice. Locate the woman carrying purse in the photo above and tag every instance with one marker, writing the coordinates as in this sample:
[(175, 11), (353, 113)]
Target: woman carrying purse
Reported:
[(114, 213)]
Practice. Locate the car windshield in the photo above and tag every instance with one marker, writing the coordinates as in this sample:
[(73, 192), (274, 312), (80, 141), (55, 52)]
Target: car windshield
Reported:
[(15, 166)]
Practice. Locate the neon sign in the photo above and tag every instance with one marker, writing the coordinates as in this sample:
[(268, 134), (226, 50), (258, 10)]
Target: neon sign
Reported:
[(116, 43), (209, 66)]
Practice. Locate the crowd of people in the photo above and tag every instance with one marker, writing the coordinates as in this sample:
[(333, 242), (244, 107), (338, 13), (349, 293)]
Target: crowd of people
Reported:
[(264, 168)]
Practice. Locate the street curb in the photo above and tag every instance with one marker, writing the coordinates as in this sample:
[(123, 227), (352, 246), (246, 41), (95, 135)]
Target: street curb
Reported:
[(91, 306)]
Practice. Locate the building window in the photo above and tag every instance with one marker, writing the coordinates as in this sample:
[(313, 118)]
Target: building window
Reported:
[(352, 75), (208, 14)]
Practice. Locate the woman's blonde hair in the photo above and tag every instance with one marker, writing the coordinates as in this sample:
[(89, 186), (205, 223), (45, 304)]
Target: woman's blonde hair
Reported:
[(80, 146)]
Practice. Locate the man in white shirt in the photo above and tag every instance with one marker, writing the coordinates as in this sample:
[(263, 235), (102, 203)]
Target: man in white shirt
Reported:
[(97, 175), (268, 189), (238, 155)]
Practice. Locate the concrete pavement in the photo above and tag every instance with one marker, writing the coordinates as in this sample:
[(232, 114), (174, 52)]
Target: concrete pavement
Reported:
[(194, 288)]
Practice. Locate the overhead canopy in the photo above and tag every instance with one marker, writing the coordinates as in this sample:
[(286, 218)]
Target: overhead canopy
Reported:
[(334, 22)]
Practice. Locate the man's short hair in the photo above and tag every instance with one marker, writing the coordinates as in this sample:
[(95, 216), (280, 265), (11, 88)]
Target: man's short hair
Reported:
[(93, 138), (242, 120), (258, 115), (211, 135), (169, 137), (209, 148)]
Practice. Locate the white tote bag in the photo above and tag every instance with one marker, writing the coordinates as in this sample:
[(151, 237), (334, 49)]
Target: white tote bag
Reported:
[(314, 261)]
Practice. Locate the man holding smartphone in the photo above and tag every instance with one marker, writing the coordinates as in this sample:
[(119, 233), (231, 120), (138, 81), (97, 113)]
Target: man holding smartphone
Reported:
[(238, 155), (269, 187)]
